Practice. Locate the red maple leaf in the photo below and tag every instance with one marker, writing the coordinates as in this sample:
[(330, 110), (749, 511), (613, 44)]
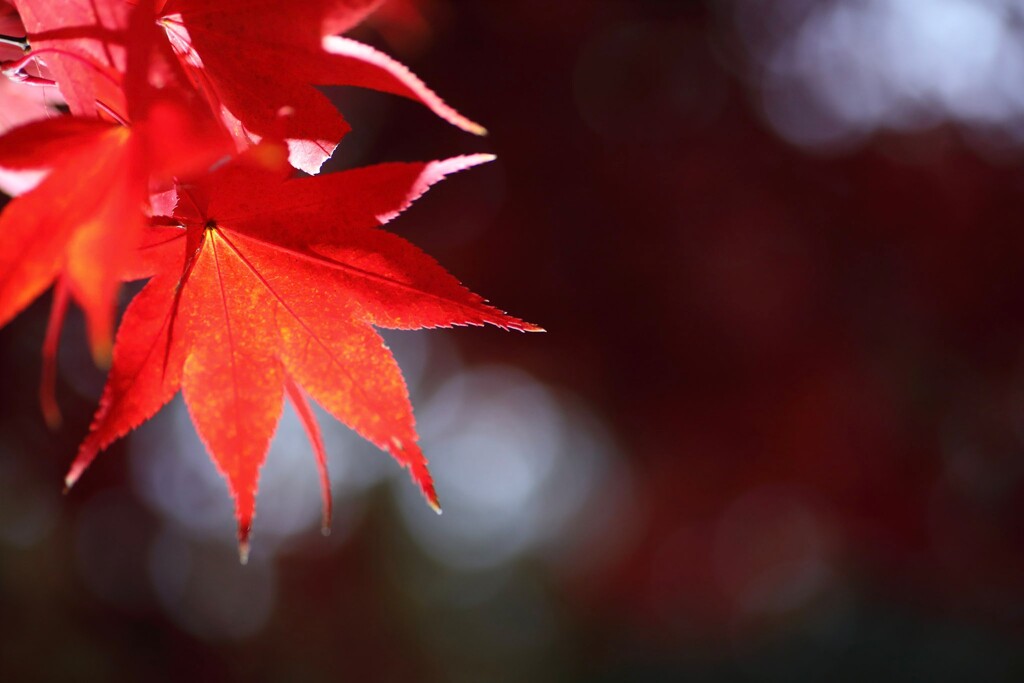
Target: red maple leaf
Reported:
[(404, 24), (260, 286), (270, 287), (257, 62), (80, 226), (83, 44), (22, 102)]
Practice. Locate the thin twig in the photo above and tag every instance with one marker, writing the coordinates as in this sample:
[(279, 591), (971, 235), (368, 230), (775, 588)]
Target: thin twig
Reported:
[(16, 41)]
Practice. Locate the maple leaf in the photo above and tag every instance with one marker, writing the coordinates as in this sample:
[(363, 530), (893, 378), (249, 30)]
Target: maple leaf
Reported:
[(257, 62), (80, 225), (83, 43), (68, 221), (404, 24), (273, 287), (22, 102)]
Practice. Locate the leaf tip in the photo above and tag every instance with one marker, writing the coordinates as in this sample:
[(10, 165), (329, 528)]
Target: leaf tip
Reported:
[(482, 158), (71, 478), (507, 322), (411, 457), (244, 530), (51, 413), (103, 352), (426, 484), (455, 164)]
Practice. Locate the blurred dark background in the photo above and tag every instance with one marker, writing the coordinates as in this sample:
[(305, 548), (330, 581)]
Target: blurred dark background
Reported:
[(774, 432)]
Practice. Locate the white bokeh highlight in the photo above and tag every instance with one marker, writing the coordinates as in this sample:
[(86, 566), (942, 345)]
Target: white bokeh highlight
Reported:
[(833, 73), (515, 464)]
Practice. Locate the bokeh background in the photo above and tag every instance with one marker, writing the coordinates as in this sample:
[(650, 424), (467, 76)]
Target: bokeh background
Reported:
[(775, 431)]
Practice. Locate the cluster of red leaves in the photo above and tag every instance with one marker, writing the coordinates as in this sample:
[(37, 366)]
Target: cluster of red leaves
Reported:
[(175, 164)]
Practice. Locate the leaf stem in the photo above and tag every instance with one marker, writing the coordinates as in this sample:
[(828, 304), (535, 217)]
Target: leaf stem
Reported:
[(14, 69), (16, 41)]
